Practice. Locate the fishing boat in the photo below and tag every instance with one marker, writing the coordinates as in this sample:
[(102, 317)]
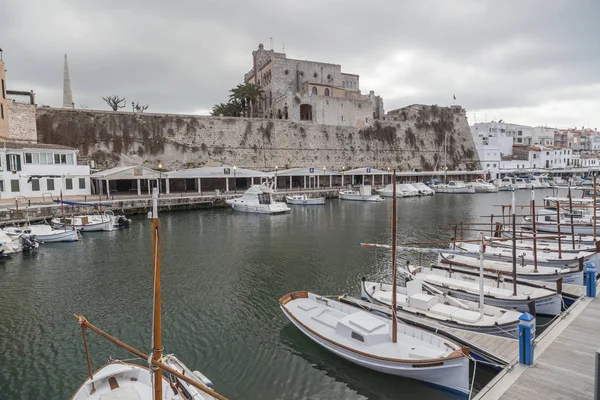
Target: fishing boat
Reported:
[(482, 186), (167, 379), (376, 342), (456, 187), (45, 233), (365, 339), (302, 199), (84, 223), (258, 199), (572, 275), (542, 257), (10, 244), (364, 193), (443, 308), (499, 290), (547, 221)]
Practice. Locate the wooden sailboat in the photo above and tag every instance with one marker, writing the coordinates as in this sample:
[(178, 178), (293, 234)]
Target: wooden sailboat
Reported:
[(376, 342), (163, 378)]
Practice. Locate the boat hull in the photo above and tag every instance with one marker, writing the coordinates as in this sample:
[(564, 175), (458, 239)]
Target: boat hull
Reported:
[(260, 208), (458, 190), (370, 198), (305, 202), (447, 375), (58, 236)]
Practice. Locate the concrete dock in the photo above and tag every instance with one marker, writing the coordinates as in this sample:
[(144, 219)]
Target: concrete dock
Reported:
[(564, 360)]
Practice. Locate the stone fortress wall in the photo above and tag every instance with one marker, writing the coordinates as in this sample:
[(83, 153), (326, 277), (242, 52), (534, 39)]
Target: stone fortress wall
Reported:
[(409, 138)]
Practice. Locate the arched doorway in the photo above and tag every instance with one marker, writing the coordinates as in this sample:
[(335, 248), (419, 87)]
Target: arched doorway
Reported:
[(305, 112)]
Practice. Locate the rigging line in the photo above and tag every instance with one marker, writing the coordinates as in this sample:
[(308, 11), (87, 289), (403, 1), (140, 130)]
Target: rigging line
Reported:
[(473, 379)]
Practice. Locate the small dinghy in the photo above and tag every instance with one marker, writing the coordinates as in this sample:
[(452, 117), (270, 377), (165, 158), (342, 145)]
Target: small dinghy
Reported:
[(301, 199), (443, 309), (366, 339)]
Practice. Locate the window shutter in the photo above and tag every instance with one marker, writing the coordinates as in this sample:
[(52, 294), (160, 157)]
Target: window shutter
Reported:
[(18, 162)]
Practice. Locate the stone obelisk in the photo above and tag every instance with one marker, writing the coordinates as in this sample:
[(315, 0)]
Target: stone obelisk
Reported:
[(67, 94)]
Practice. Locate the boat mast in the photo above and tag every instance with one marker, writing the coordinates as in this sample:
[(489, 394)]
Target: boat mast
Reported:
[(535, 264), (571, 212), (481, 297), (156, 324), (394, 320), (594, 205), (514, 243)]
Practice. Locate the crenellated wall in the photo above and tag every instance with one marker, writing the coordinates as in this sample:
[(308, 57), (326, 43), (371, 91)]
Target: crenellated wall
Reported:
[(412, 137)]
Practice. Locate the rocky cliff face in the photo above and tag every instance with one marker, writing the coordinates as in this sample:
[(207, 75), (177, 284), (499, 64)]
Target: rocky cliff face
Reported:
[(411, 137)]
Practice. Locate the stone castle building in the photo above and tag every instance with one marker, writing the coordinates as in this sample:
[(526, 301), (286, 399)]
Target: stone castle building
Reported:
[(301, 90), (3, 107)]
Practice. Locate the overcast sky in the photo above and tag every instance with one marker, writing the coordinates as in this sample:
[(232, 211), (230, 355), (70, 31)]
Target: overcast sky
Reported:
[(523, 61)]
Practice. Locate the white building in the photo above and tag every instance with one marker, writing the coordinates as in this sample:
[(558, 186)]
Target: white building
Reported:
[(544, 136), (41, 170), (520, 134), (536, 158)]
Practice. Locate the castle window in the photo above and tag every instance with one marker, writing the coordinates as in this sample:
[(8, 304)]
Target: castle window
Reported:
[(359, 105), (3, 90), (329, 76), (314, 91), (1, 111), (301, 73), (342, 117), (326, 91), (315, 75), (286, 72)]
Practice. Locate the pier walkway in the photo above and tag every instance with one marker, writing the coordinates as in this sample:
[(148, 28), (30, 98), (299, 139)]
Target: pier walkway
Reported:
[(564, 360)]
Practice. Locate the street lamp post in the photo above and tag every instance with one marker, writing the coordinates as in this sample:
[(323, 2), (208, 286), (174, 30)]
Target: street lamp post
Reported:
[(276, 177), (343, 168), (159, 178), (389, 177), (234, 180), (445, 174), (324, 176)]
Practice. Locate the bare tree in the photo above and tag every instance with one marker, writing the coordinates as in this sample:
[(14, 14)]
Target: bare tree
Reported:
[(114, 102), (83, 106), (139, 108)]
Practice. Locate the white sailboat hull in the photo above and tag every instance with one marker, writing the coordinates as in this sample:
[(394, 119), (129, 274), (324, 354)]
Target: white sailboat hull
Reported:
[(58, 236), (275, 208), (455, 190), (451, 373)]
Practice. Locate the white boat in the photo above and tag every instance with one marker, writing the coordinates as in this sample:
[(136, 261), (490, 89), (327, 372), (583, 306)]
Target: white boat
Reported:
[(10, 244), (539, 181), (84, 223), (573, 275), (423, 189), (504, 184), (45, 233), (457, 187), (303, 200), (400, 191), (168, 379), (520, 183), (482, 186), (443, 309), (408, 188), (365, 339), (258, 199), (363, 193), (546, 221), (544, 257), (464, 283)]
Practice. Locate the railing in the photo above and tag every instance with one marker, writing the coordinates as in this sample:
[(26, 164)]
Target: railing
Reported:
[(47, 194)]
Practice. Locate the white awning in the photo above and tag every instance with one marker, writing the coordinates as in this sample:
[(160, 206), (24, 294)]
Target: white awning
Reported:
[(131, 172), (306, 172), (225, 171)]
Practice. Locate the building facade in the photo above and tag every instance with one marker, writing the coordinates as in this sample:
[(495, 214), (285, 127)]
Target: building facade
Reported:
[(41, 170), (302, 90)]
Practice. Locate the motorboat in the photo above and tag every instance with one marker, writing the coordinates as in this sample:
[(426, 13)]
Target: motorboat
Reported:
[(464, 283), (366, 339), (539, 181), (482, 186), (45, 233), (302, 199), (363, 193), (258, 199), (457, 187), (423, 189), (504, 184), (444, 309), (17, 243), (118, 220), (572, 275), (520, 183), (401, 191), (547, 221), (408, 188)]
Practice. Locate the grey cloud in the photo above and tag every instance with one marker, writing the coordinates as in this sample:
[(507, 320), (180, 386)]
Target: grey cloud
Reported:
[(182, 56)]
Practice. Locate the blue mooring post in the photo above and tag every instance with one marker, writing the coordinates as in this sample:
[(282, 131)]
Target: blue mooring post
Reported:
[(526, 336), (590, 280)]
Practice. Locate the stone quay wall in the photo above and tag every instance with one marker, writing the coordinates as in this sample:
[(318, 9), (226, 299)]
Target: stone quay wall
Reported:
[(410, 138)]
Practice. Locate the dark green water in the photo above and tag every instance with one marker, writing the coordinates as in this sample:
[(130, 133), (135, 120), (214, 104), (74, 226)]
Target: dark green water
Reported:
[(223, 273)]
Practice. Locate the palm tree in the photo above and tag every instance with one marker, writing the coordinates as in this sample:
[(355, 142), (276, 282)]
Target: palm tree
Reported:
[(219, 109), (247, 94)]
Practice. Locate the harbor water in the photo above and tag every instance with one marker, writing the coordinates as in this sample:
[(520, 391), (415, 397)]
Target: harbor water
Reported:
[(222, 276)]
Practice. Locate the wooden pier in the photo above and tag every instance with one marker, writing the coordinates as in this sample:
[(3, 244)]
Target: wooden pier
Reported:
[(564, 360), (495, 349)]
